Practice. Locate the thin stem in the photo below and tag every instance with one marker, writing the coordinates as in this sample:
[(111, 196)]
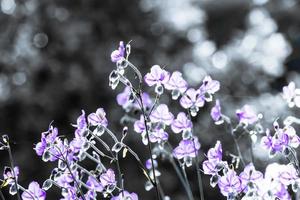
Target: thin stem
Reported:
[(13, 169), (179, 175), (190, 195), (120, 174), (200, 185), (149, 145), (1, 195)]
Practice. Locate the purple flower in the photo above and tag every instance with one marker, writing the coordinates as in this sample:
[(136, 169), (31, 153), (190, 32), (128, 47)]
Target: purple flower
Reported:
[(246, 115), (215, 154), (123, 99), (250, 175), (215, 112), (181, 123), (98, 118), (119, 54), (176, 82), (77, 143), (162, 115), (94, 184), (65, 179), (81, 125), (209, 86), (157, 76), (187, 148), (230, 183), (48, 138), (210, 167), (158, 135), (125, 195), (108, 178), (10, 175), (149, 164), (34, 192), (139, 125), (192, 99)]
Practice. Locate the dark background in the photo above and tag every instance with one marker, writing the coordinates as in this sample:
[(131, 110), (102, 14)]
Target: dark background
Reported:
[(55, 61)]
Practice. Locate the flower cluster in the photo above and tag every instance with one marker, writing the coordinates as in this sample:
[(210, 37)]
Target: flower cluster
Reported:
[(159, 126)]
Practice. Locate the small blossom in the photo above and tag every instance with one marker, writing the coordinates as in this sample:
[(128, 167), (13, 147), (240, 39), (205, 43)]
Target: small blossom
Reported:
[(176, 82), (81, 125), (108, 178), (215, 112), (119, 54), (187, 148), (288, 175), (209, 86), (125, 195), (230, 183), (98, 118), (94, 184), (215, 154), (192, 99), (139, 125), (162, 115), (149, 164), (48, 138), (34, 192), (246, 115), (210, 167), (250, 175), (181, 123), (65, 179), (10, 175), (70, 194), (158, 135), (157, 76)]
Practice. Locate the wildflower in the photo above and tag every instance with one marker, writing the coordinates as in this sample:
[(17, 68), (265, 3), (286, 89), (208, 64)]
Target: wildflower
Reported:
[(98, 118), (47, 140), (247, 115), (192, 99), (81, 124), (149, 164), (124, 195), (181, 123), (127, 101), (94, 184), (9, 176), (186, 150), (34, 192), (70, 193), (118, 54), (250, 175), (209, 87), (215, 153), (158, 135), (162, 115), (157, 77), (177, 84), (230, 184), (215, 113), (108, 178)]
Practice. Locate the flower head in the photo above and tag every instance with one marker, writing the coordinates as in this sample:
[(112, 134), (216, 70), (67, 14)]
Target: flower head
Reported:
[(158, 135), (118, 54), (162, 115), (94, 184), (187, 148), (98, 118), (34, 192), (9, 175), (250, 175), (157, 76), (108, 178), (181, 123), (230, 183), (176, 82), (81, 124), (215, 112), (192, 99), (215, 153), (209, 86), (247, 115)]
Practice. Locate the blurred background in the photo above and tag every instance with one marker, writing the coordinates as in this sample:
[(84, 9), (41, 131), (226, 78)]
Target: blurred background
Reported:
[(55, 61)]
